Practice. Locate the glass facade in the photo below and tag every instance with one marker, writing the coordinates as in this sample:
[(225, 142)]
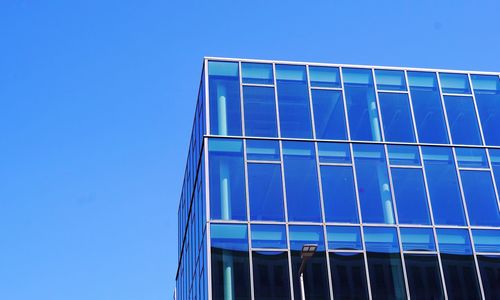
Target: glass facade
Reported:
[(393, 173)]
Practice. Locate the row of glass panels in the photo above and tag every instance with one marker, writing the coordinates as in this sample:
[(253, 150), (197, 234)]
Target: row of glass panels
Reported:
[(353, 104)]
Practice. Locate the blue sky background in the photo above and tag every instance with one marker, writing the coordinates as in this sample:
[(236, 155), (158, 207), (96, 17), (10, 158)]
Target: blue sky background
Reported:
[(96, 105)]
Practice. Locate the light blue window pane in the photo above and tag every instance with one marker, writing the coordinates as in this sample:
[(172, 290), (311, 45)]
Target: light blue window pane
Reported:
[(462, 120), (381, 239), (417, 239), (301, 180), (260, 111), (229, 236), (334, 153), (329, 116), (265, 190), (396, 117), (471, 157), (454, 83), (227, 179), (325, 77), (487, 91), (486, 240), (339, 194), (391, 80), (268, 236), (373, 184), (224, 91), (301, 235), (495, 164), (403, 155), (263, 150), (427, 107), (344, 238), (293, 101), (454, 241), (411, 199), (257, 73), (443, 186), (480, 197), (361, 104)]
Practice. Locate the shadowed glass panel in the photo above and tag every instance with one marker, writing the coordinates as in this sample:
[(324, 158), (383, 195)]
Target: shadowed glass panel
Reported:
[(487, 92), (329, 116), (348, 276), (410, 195), (424, 276), (339, 194), (265, 192), (260, 111), (480, 197), (396, 117), (462, 120), (489, 265), (270, 275)]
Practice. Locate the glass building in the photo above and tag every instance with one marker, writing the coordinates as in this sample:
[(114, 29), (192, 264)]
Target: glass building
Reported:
[(393, 172)]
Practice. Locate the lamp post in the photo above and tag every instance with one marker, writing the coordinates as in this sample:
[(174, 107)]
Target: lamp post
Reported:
[(308, 251)]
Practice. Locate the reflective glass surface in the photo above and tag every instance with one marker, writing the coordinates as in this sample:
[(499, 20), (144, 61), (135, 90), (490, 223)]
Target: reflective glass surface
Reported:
[(381, 239), (480, 197), (263, 150), (410, 195), (324, 77), (348, 276), (344, 238), (265, 192), (260, 111), (270, 275), (257, 73), (462, 120), (487, 92), (490, 275), (471, 158), (396, 117), (424, 276), (495, 165), (403, 155), (268, 236), (486, 240), (454, 83), (390, 80), (334, 153), (329, 116), (339, 194), (417, 239)]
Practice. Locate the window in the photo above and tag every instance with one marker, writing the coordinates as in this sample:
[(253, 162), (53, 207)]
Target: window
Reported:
[(334, 153), (344, 238), (269, 236), (263, 150), (454, 83), (462, 120), (487, 92), (348, 275), (471, 158), (329, 117), (339, 194), (396, 117), (257, 73), (260, 111), (403, 155), (265, 192), (324, 77), (390, 80), (411, 199), (480, 197), (270, 275)]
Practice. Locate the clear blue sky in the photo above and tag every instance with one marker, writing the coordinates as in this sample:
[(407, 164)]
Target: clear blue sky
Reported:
[(96, 106)]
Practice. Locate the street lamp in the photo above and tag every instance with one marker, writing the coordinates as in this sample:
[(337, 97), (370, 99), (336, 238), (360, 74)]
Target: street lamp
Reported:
[(308, 251)]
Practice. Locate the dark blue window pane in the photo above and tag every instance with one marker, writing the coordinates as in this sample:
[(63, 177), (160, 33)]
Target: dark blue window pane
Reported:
[(471, 157), (486, 240), (339, 194), (391, 80), (443, 186), (411, 199), (373, 184), (454, 241), (424, 276), (301, 179), (329, 116), (224, 90), (270, 275), (489, 265), (324, 77), (227, 179), (263, 150), (361, 104), (427, 107), (265, 192), (417, 239), (293, 101), (334, 153), (268, 236), (403, 155), (462, 120), (257, 73), (487, 91), (344, 238), (260, 111), (480, 197), (396, 117), (454, 83), (348, 276), (381, 239), (301, 235)]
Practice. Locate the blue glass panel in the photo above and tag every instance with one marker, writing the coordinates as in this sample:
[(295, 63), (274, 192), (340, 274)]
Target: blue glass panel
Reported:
[(427, 107), (257, 73), (227, 179), (480, 197), (293, 101), (471, 157), (334, 153), (361, 104), (301, 178), (396, 117), (417, 239), (329, 116), (339, 194), (391, 80), (301, 235), (229, 236), (263, 150), (454, 241), (260, 111), (486, 240), (224, 91), (411, 199), (454, 83), (403, 155), (265, 192), (344, 237), (495, 165), (462, 120), (381, 239), (443, 186), (268, 236), (324, 77), (487, 91), (373, 184)]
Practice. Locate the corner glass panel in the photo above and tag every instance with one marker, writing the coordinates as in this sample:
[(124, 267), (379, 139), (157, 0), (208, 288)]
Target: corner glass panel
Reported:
[(334, 153), (471, 157), (265, 190), (487, 92), (489, 265), (260, 111), (329, 116), (344, 238), (293, 101), (270, 275), (410, 195), (454, 83), (263, 150), (486, 240), (324, 77), (390, 80), (257, 73), (224, 92), (424, 276), (348, 276), (403, 155), (268, 236), (462, 120), (361, 105), (396, 117), (427, 107), (417, 239), (480, 197), (339, 194)]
